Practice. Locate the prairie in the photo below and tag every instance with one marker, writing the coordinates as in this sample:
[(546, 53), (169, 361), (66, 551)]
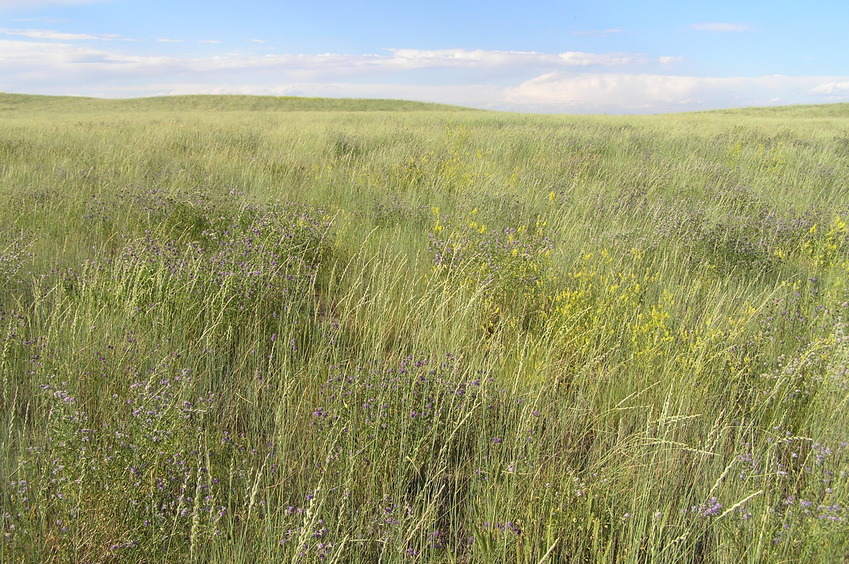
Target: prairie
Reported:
[(245, 329)]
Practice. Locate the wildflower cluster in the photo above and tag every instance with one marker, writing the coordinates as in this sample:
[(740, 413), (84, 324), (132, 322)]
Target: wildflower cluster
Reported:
[(272, 255), (421, 413), (14, 253), (455, 168), (153, 463), (736, 230), (510, 266), (604, 304), (828, 246), (381, 408), (394, 210)]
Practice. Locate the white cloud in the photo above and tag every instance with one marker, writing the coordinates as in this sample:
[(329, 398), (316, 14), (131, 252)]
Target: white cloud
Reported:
[(612, 59), (58, 35), (720, 27), (63, 56), (598, 33), (670, 60), (635, 91), (57, 64), (832, 88), (626, 92), (167, 40), (480, 58), (43, 56)]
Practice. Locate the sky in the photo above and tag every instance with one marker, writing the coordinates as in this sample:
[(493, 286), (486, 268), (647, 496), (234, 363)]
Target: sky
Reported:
[(543, 56)]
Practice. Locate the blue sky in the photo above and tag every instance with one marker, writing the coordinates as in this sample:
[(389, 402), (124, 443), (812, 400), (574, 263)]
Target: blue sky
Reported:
[(602, 56)]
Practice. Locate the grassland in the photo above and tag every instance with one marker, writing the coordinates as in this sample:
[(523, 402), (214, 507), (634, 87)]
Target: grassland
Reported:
[(240, 329)]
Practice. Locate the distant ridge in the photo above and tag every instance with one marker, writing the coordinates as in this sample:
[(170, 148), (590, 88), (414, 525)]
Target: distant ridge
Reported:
[(248, 103), (224, 103), (800, 111)]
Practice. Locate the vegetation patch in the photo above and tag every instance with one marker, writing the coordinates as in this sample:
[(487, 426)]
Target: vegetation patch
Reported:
[(239, 329)]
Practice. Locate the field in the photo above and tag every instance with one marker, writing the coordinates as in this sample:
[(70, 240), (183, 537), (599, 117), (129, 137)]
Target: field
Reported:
[(239, 329)]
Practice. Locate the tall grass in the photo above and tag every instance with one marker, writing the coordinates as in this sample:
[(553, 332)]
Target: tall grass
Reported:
[(248, 329)]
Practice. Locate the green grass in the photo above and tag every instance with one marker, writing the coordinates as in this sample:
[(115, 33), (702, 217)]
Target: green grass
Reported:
[(199, 103), (241, 329)]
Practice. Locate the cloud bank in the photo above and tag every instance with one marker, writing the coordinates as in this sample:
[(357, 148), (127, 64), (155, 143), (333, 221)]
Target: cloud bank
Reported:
[(576, 82), (652, 92), (721, 27), (57, 35)]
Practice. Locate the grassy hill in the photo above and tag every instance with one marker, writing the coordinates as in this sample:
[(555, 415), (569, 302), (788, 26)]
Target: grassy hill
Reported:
[(10, 102), (243, 329), (813, 111), (222, 103)]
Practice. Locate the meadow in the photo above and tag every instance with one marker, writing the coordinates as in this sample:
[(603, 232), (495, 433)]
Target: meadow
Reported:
[(239, 329)]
